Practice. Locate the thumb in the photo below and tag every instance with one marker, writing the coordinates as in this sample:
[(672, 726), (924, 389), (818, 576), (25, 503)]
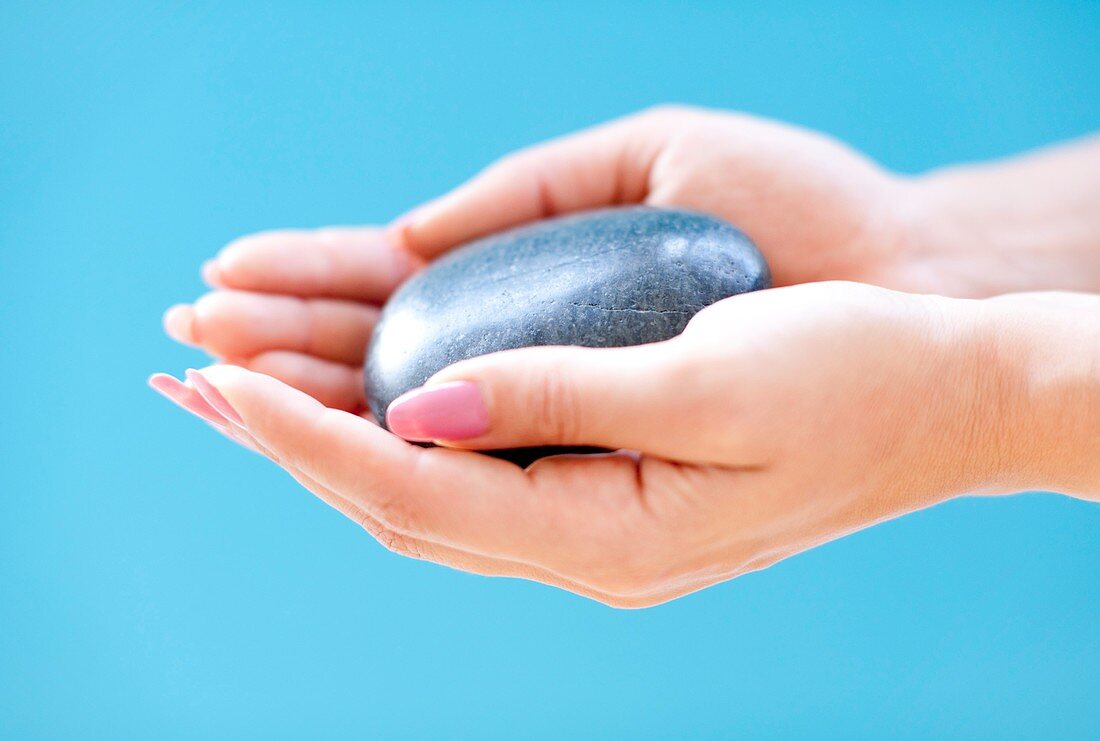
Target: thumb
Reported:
[(614, 398)]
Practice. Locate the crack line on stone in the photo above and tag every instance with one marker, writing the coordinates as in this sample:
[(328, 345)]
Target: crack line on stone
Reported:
[(583, 305)]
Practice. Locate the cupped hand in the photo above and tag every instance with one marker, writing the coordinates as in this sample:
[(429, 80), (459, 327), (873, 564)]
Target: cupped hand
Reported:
[(776, 422), (817, 209)]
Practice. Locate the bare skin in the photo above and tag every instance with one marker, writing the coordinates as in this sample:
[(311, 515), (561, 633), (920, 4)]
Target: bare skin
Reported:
[(879, 379)]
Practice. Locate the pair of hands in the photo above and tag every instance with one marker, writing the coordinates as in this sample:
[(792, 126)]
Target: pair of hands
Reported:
[(777, 421)]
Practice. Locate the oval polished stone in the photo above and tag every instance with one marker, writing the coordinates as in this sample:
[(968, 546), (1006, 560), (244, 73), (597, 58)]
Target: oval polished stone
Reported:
[(609, 278)]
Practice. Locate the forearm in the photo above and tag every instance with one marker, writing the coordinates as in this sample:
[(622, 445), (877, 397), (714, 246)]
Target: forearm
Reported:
[(1023, 224), (1042, 355)]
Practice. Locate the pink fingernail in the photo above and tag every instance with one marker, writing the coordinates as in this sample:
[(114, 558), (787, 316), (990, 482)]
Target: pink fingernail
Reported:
[(214, 397), (449, 411), (188, 398)]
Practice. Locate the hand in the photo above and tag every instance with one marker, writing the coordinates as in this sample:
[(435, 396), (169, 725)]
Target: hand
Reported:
[(817, 209), (778, 421)]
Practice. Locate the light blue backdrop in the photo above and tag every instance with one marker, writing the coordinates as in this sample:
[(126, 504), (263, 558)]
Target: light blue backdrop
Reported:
[(156, 581)]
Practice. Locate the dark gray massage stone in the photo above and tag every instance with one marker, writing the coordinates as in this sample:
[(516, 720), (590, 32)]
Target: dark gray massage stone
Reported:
[(610, 278)]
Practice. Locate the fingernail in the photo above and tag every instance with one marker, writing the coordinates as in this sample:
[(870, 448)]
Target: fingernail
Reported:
[(179, 323), (449, 411), (214, 397), (188, 398), (212, 274)]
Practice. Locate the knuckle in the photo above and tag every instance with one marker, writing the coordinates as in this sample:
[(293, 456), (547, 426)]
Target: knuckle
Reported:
[(556, 406)]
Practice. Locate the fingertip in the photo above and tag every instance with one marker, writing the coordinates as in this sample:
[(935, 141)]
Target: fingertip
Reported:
[(252, 396), (447, 411), (402, 231), (411, 215), (179, 323), (214, 397), (186, 397), (212, 274), (163, 382), (403, 260), (408, 234), (362, 263), (222, 271)]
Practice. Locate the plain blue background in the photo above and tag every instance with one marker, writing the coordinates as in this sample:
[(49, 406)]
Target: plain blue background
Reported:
[(156, 581)]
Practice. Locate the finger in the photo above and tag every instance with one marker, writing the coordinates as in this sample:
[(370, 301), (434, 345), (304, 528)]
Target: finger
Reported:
[(334, 385), (357, 263), (239, 324), (190, 399), (602, 166), (616, 398), (472, 502)]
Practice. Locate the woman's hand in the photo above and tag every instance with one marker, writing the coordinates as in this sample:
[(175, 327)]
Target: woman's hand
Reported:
[(817, 210), (778, 421)]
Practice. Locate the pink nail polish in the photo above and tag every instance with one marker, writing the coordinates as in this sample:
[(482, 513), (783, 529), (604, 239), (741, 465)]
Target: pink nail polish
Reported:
[(214, 397), (188, 398), (449, 411)]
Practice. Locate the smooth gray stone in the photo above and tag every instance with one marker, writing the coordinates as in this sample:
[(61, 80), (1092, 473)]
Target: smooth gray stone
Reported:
[(609, 278)]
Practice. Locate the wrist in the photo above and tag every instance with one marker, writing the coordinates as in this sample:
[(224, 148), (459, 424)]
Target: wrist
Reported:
[(952, 243), (982, 230), (1037, 361)]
